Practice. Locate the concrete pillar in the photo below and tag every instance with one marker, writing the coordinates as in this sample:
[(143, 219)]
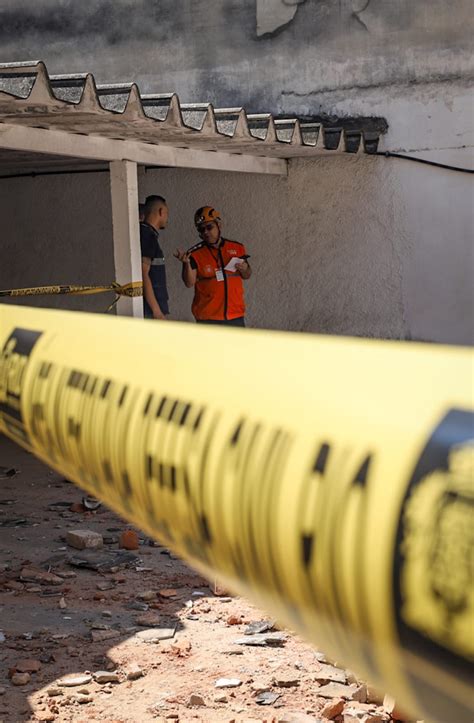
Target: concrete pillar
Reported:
[(127, 256)]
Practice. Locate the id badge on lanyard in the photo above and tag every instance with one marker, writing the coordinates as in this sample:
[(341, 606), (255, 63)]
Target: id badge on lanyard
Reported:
[(219, 275)]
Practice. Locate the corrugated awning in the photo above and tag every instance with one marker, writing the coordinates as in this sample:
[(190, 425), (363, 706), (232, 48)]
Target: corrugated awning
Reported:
[(77, 105)]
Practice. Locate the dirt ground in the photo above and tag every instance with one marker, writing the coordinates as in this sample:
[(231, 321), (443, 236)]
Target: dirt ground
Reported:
[(144, 636)]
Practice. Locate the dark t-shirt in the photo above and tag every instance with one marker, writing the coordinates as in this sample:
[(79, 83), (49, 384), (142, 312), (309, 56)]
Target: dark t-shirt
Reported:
[(151, 249)]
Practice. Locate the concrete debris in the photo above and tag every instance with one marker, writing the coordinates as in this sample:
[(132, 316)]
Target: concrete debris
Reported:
[(134, 672), (129, 540), (3, 691), (104, 676), (330, 674), (54, 692), (196, 701), (84, 539), (98, 636), (28, 666), (221, 699), (82, 699), (33, 574), (336, 690), (73, 681), (147, 595), (20, 678), (286, 680), (45, 715), (228, 683), (357, 715), (261, 686), (62, 604), (167, 593), (332, 709), (148, 620), (154, 635), (267, 698), (259, 626), (265, 639)]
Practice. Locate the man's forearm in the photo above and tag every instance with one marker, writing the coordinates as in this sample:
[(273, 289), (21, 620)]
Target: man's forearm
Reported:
[(150, 297)]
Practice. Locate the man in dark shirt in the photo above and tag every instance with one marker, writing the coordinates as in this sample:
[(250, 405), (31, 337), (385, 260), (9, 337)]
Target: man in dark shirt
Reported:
[(155, 293)]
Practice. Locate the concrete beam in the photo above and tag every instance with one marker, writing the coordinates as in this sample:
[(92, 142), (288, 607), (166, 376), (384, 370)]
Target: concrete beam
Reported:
[(41, 140), (127, 256)]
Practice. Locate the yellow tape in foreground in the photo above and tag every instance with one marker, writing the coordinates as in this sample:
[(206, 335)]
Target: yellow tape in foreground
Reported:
[(328, 480), (133, 288)]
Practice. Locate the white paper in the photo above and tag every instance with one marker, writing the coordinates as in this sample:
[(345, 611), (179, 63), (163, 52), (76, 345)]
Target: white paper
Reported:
[(233, 263)]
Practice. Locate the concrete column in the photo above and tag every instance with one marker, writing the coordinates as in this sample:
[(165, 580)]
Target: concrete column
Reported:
[(127, 256)]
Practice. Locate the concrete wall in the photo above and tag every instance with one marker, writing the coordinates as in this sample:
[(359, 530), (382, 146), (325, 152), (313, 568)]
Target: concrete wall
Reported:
[(408, 61), (57, 230), (360, 246)]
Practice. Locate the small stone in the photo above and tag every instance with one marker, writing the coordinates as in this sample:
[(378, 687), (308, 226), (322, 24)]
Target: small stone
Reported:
[(148, 620), (32, 574), (45, 715), (353, 714), (167, 593), (53, 692), (261, 686), (14, 585), (360, 693), (374, 695), (234, 620), (77, 507), (84, 539), (104, 676), (28, 666), (265, 639), (103, 586), (332, 709), (106, 614), (196, 701), (62, 604), (82, 699), (267, 698), (330, 674), (147, 595), (3, 691), (134, 672), (129, 540), (98, 636), (181, 648), (221, 699), (75, 680), (286, 680), (336, 690), (20, 678), (228, 683)]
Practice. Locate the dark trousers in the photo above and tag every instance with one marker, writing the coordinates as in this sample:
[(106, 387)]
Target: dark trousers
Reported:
[(240, 321)]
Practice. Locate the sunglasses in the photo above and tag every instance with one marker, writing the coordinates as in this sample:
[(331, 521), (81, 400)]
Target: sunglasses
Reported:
[(206, 227)]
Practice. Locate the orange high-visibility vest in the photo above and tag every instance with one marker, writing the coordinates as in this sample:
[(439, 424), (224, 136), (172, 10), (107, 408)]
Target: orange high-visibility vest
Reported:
[(218, 294)]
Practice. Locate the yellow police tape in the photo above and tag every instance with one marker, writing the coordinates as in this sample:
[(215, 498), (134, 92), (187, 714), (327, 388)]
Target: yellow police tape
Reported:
[(133, 288), (328, 480)]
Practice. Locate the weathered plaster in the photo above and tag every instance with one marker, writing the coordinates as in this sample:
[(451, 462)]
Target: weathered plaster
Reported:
[(273, 15)]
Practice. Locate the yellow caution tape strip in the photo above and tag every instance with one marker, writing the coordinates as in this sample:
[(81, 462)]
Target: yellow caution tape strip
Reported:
[(328, 480), (133, 288)]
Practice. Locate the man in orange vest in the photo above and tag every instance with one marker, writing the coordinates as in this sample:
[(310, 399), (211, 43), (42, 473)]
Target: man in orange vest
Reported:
[(215, 267)]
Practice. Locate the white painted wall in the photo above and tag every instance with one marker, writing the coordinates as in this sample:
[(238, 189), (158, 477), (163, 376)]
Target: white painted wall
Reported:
[(363, 246)]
